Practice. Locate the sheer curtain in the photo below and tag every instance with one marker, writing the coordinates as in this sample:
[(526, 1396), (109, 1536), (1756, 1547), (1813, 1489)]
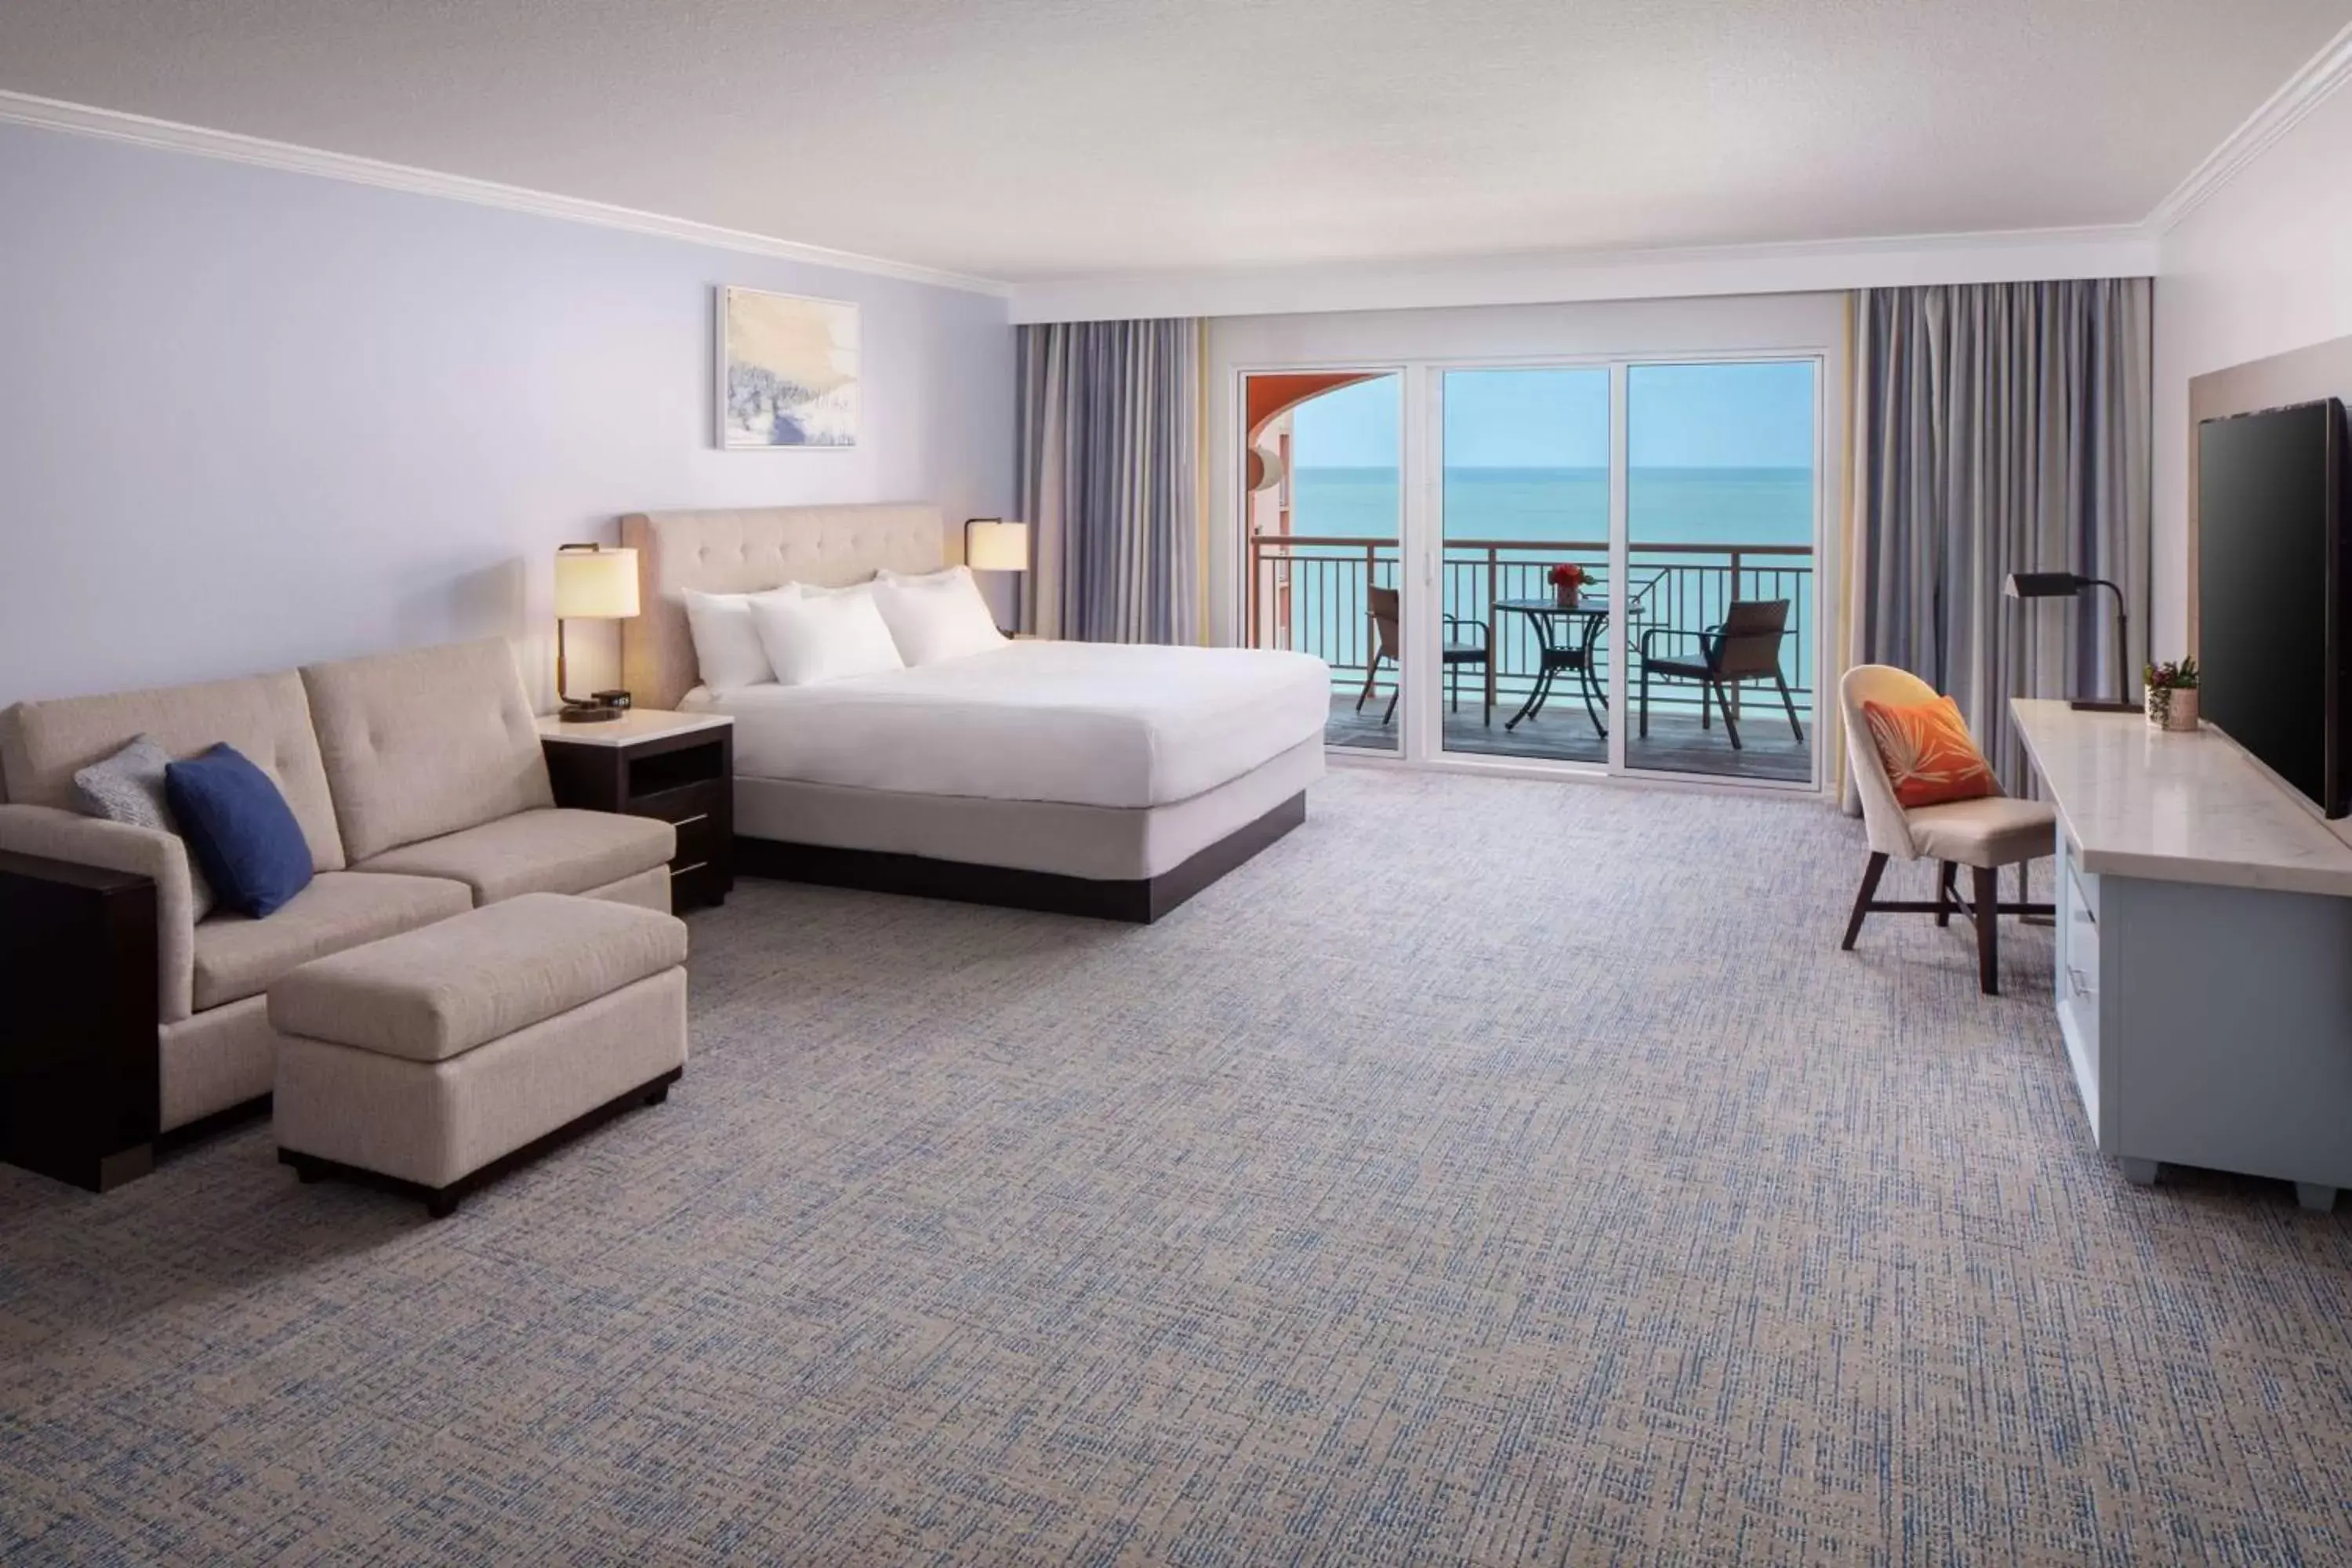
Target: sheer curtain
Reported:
[(1999, 428), (1108, 474)]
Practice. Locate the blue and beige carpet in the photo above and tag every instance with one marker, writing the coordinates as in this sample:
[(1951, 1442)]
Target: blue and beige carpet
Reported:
[(1491, 1171)]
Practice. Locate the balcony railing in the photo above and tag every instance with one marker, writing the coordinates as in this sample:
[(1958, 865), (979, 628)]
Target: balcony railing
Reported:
[(1308, 593)]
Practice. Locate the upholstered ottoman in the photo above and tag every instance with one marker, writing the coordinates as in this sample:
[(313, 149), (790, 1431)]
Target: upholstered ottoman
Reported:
[(430, 1061)]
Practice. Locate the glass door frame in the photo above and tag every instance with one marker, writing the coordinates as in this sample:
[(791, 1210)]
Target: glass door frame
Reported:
[(1420, 548)]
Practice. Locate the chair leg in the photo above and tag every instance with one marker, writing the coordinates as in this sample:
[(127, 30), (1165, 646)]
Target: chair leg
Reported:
[(1645, 701), (1393, 702), (1705, 721), (1870, 875), (1454, 686), (1790, 704), (1944, 871), (1986, 887), (1730, 724), (1371, 676)]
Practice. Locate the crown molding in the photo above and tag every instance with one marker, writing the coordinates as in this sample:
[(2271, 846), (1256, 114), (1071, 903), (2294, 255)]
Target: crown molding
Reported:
[(54, 114), (1796, 267), (2280, 113)]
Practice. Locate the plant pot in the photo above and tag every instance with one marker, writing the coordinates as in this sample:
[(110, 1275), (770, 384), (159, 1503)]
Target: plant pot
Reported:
[(1567, 597), (2172, 707)]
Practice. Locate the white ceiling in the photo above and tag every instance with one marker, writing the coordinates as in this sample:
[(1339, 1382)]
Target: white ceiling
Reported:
[(1025, 140)]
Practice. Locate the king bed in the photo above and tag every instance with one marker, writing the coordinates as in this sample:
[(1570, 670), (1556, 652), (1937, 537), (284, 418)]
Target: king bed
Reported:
[(1109, 780)]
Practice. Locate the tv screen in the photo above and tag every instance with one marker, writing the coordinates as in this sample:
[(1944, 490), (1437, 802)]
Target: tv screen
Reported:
[(2271, 561)]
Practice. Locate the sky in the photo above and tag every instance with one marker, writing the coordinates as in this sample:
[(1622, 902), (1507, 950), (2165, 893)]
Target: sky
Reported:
[(1679, 416)]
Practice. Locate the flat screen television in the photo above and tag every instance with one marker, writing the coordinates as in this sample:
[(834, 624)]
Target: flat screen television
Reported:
[(2274, 613)]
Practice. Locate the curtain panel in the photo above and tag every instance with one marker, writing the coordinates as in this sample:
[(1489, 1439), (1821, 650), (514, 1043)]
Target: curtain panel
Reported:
[(2000, 427), (1110, 479)]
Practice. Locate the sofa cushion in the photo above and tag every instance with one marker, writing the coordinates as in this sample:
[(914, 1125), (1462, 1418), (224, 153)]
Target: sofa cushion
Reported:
[(239, 829), (551, 851), (238, 957), (431, 994), (425, 743), (129, 787), (266, 717)]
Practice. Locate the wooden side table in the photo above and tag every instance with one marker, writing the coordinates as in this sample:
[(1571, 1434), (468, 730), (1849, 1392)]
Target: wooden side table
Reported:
[(679, 767)]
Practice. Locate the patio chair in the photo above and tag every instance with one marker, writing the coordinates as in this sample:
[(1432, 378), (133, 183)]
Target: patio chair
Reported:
[(1389, 643), (1745, 646)]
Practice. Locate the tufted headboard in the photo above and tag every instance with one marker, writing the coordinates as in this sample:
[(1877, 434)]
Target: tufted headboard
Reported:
[(743, 552)]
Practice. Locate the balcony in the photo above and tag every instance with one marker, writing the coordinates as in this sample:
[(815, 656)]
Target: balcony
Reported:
[(1311, 593)]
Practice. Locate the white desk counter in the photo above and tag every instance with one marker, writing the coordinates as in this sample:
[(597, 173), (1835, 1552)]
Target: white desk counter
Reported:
[(2204, 953), (2183, 808)]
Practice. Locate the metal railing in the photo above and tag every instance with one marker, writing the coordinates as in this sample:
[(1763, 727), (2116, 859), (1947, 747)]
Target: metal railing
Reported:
[(1308, 593)]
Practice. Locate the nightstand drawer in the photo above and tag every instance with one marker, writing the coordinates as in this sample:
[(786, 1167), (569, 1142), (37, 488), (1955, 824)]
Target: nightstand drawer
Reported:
[(703, 838), (698, 882), (687, 804)]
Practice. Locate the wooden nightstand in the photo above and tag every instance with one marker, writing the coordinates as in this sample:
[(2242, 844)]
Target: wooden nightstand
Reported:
[(679, 767)]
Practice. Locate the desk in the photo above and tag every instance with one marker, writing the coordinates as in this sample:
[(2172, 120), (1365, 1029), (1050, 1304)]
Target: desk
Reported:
[(2204, 953)]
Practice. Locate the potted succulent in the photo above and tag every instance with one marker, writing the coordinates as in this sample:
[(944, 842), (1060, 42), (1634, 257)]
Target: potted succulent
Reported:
[(2171, 694), (1568, 581)]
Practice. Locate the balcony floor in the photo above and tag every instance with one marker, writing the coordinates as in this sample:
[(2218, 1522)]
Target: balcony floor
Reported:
[(1562, 733)]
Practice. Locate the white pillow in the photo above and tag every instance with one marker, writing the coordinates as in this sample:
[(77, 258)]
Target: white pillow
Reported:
[(810, 638), (937, 616), (727, 650)]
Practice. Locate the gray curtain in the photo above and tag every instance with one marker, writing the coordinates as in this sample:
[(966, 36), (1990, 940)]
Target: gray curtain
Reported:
[(1109, 477), (2000, 428)]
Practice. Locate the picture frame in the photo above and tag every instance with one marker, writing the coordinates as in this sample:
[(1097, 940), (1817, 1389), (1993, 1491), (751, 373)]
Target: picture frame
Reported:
[(787, 372)]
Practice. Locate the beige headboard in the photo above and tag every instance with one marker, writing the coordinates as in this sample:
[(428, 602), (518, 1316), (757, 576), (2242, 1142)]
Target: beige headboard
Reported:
[(744, 551)]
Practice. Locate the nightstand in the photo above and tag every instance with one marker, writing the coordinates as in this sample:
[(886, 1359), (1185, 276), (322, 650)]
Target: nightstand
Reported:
[(679, 767)]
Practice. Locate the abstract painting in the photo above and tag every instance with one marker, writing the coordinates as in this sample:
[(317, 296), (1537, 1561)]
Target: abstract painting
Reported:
[(787, 370)]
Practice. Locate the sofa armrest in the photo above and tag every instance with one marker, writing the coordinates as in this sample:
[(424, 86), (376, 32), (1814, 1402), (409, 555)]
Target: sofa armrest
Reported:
[(57, 835)]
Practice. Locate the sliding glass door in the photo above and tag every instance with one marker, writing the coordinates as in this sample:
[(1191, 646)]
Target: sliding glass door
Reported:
[(1323, 520), (1598, 566), (1719, 517), (1524, 518)]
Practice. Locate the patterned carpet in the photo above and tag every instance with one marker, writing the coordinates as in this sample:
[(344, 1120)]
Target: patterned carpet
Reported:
[(1491, 1171)]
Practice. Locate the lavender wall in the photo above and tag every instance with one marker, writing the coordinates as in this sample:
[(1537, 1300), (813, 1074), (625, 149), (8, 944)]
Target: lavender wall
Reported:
[(250, 419)]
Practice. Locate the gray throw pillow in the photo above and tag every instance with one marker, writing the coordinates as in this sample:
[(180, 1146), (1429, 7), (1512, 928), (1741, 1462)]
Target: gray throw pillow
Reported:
[(129, 787)]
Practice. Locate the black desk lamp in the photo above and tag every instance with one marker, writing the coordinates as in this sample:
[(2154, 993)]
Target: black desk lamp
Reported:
[(2066, 585)]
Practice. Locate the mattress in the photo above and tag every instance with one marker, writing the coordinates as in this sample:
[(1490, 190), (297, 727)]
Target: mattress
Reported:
[(1109, 724)]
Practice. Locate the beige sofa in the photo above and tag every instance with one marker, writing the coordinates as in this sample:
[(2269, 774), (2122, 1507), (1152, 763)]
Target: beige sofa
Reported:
[(419, 783)]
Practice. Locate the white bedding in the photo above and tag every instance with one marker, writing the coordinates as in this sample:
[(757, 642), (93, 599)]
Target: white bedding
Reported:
[(1079, 723)]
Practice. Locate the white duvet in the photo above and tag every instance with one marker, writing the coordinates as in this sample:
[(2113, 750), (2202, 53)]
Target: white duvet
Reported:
[(1080, 723)]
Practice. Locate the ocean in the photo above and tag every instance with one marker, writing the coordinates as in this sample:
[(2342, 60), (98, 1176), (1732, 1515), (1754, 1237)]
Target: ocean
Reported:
[(1686, 589), (1679, 506)]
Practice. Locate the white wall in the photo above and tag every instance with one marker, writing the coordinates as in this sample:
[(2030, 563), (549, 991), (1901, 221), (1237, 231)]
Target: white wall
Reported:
[(2262, 266), (250, 417), (1796, 324)]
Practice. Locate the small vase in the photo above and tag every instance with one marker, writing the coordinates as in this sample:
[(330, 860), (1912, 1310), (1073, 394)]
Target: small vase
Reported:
[(2172, 707), (1566, 597)]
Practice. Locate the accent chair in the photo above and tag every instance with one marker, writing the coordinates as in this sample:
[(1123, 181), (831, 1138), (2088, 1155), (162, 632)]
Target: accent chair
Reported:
[(1983, 835)]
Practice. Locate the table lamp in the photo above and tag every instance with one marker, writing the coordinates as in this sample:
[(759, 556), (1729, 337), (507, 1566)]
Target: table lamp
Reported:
[(994, 544), (2067, 585), (593, 582)]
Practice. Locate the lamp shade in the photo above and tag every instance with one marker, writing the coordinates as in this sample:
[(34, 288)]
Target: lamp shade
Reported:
[(2045, 584), (594, 583), (993, 544)]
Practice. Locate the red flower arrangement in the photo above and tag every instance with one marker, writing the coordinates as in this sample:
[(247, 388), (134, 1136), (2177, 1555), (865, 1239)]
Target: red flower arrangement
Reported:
[(1567, 580)]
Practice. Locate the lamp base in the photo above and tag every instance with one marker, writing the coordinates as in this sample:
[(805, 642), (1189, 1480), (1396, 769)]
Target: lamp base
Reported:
[(2102, 705), (589, 713)]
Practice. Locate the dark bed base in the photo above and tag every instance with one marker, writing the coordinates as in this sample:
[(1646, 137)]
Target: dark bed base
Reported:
[(1141, 900), (442, 1202)]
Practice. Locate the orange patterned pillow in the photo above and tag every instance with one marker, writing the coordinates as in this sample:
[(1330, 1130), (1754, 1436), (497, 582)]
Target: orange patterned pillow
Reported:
[(1929, 754)]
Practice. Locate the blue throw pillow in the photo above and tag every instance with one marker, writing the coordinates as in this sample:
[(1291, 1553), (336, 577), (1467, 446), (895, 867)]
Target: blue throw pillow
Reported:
[(243, 832)]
